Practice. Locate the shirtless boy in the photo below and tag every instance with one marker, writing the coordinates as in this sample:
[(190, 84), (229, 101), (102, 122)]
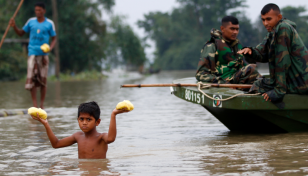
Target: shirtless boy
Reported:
[(91, 144)]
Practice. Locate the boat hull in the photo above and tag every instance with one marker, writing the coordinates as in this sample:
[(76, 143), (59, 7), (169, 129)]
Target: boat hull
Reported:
[(249, 113), (259, 121)]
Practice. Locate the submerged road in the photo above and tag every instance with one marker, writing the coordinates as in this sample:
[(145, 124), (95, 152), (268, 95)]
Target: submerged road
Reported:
[(163, 135)]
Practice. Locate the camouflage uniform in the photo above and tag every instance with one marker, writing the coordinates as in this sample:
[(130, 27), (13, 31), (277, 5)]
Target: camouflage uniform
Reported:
[(220, 63), (288, 62)]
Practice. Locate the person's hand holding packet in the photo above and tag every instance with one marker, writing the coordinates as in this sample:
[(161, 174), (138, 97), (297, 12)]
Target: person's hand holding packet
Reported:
[(45, 48), (33, 111), (125, 105)]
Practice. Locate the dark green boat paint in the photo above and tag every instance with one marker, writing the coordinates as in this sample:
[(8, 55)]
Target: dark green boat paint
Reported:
[(249, 113)]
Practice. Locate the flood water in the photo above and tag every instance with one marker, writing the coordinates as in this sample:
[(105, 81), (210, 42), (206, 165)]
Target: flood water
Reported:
[(163, 135)]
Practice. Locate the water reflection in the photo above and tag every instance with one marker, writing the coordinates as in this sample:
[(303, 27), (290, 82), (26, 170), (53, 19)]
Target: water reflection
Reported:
[(164, 135), (81, 167)]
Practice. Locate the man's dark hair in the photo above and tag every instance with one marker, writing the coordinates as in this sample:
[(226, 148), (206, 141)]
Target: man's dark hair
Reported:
[(269, 7), (91, 108), (225, 20), (40, 4)]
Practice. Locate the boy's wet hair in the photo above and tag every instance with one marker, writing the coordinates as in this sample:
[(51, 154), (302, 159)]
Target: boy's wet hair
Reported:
[(225, 20), (91, 108), (269, 7), (40, 4)]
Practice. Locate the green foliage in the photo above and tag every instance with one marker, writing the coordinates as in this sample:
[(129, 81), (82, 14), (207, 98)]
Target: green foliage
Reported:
[(122, 39), (13, 60), (180, 35), (13, 65), (83, 76), (247, 34), (83, 37), (85, 42), (80, 32)]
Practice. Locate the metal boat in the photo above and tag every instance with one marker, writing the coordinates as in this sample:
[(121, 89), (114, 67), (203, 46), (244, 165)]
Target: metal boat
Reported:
[(248, 113)]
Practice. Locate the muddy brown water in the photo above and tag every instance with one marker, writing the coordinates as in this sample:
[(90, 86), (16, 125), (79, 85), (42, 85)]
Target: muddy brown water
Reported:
[(163, 135)]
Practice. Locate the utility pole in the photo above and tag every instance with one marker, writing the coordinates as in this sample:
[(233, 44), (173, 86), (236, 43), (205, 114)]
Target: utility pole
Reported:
[(56, 49)]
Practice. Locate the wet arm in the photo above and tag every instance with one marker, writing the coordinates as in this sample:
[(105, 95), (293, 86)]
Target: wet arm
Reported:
[(282, 64), (112, 133), (55, 142)]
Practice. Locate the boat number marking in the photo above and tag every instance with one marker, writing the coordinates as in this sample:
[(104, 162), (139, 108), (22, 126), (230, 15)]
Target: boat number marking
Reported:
[(194, 97)]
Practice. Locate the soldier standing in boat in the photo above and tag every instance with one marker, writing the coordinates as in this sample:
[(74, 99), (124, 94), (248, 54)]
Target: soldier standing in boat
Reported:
[(40, 29), (286, 54), (220, 62)]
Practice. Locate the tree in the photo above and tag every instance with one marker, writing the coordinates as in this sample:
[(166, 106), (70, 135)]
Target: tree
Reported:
[(180, 35), (81, 30), (248, 34), (83, 37), (123, 40), (13, 62)]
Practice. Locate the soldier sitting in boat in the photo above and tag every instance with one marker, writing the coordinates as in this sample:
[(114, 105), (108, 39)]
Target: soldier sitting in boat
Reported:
[(286, 54), (220, 62)]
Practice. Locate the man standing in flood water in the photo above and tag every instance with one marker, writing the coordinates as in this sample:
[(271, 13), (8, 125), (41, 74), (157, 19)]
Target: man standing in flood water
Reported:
[(40, 29), (286, 54), (220, 62)]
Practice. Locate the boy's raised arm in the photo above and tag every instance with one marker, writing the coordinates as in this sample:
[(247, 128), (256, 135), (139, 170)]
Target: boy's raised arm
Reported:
[(55, 142), (112, 133)]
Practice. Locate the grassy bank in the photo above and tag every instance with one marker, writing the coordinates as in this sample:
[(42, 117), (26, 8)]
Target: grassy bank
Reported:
[(87, 75)]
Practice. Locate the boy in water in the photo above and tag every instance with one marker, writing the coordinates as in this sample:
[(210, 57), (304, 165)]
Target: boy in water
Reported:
[(91, 144)]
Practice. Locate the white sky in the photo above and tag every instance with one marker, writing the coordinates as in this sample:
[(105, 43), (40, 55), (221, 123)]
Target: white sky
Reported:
[(135, 10)]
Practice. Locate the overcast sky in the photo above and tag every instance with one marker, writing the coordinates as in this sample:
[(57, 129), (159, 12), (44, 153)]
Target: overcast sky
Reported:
[(135, 9)]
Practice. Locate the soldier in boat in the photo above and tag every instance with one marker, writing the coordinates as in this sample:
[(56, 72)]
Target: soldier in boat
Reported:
[(220, 62), (286, 54)]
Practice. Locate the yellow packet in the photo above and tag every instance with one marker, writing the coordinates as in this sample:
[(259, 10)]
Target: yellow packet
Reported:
[(125, 104), (45, 48), (42, 114)]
